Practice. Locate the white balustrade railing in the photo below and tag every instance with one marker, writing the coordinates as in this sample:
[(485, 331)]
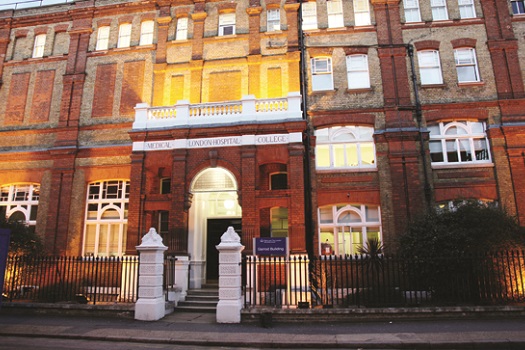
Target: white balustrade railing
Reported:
[(248, 109)]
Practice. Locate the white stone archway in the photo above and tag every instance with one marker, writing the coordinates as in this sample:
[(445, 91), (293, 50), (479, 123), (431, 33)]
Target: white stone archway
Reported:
[(214, 200)]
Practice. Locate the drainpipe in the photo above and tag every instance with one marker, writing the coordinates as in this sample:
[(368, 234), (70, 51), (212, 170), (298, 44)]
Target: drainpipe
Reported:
[(308, 224), (419, 115)]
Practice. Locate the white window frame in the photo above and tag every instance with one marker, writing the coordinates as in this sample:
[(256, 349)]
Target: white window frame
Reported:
[(309, 15), (334, 9), (518, 7), (470, 146), (273, 20), (322, 74), (182, 28), (124, 35), (362, 13), (439, 10), (102, 38), (147, 29), (358, 74), (346, 227), (466, 61), (332, 144), (226, 23), (20, 197), (39, 45), (429, 67), (467, 9), (102, 196), (412, 13)]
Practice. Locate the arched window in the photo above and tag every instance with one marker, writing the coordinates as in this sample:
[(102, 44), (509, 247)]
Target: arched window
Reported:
[(459, 142), (20, 202), (345, 147), (345, 228), (106, 218)]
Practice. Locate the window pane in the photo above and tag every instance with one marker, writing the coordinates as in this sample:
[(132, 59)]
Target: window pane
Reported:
[(322, 82), (321, 135), (182, 29), (357, 240), (361, 13), (124, 35), (146, 33), (327, 239), (40, 42), (436, 151), (89, 245), (103, 241), (467, 74), (358, 80), (344, 137), (309, 12), (102, 38), (367, 154), (273, 20), (339, 155), (351, 155), (452, 153), (349, 217), (114, 236), (326, 215), (335, 13), (372, 214), (322, 156)]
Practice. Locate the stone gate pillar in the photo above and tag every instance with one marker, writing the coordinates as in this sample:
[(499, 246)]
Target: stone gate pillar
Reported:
[(151, 304), (230, 279)]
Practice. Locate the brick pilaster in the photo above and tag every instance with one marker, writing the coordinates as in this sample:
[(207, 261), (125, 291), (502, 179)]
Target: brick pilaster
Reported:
[(135, 219), (296, 226), (254, 14), (4, 41), (198, 18), (178, 220), (57, 226), (250, 227), (291, 18), (162, 38)]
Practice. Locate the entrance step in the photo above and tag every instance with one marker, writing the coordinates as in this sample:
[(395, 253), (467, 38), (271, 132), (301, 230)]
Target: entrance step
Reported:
[(200, 300)]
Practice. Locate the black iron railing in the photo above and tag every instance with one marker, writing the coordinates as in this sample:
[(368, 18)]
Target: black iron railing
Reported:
[(385, 281), (71, 279), (169, 274)]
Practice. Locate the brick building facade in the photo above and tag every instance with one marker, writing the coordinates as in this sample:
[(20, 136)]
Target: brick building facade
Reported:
[(190, 116)]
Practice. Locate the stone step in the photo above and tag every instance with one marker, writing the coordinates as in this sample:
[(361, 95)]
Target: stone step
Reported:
[(202, 309), (200, 300), (206, 303)]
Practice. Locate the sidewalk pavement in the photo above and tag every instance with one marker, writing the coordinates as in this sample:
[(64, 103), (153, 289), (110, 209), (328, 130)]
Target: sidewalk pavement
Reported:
[(199, 329)]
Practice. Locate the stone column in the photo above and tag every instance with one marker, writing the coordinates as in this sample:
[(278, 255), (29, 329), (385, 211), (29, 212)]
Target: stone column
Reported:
[(151, 304), (230, 295)]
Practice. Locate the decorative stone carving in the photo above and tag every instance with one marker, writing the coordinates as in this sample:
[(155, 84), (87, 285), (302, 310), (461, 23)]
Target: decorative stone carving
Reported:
[(152, 239)]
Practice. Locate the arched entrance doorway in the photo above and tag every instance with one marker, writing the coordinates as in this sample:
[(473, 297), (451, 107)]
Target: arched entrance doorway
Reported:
[(214, 207)]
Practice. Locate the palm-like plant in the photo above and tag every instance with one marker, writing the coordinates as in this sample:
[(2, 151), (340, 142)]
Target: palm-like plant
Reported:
[(372, 249)]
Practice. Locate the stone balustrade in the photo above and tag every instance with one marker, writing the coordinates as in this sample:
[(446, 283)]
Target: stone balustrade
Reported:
[(248, 109)]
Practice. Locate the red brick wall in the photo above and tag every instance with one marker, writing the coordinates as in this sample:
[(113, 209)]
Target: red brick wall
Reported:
[(42, 95), (132, 85), (104, 90), (16, 103)]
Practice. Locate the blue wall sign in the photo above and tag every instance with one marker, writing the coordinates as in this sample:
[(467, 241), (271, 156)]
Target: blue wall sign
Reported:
[(271, 246)]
